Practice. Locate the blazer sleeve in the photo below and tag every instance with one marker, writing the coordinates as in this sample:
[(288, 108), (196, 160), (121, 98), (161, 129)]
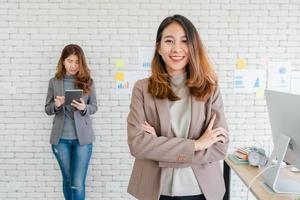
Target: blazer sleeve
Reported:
[(218, 150), (50, 105), (143, 145), (91, 106)]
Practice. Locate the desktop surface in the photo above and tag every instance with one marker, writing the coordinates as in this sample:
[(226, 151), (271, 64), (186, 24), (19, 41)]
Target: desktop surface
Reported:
[(246, 173)]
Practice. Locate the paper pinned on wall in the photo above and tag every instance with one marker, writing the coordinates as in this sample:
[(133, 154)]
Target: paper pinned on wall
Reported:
[(145, 57), (279, 76), (249, 81), (295, 82), (125, 85), (241, 63), (119, 63), (265, 60)]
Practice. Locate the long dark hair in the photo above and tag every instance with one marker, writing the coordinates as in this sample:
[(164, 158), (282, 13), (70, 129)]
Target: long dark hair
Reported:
[(202, 80)]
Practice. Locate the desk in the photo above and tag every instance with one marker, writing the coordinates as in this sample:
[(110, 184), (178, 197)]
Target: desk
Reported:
[(246, 173)]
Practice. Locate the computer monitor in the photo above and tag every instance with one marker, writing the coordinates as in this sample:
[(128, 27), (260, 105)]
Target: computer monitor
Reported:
[(284, 114)]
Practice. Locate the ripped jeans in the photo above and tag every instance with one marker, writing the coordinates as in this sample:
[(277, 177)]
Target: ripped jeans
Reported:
[(73, 161)]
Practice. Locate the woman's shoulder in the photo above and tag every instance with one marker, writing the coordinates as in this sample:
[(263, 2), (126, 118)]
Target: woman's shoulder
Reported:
[(216, 94), (53, 79), (141, 86), (142, 82)]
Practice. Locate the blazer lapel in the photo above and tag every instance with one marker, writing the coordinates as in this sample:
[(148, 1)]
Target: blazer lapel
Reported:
[(59, 87), (163, 112), (196, 109)]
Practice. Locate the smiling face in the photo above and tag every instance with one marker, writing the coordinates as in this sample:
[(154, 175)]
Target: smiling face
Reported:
[(173, 49), (71, 64)]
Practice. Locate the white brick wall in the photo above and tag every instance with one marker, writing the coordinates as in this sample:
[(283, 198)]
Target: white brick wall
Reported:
[(33, 33)]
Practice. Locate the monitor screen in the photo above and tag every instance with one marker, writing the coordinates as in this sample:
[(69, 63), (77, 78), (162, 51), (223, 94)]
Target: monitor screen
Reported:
[(284, 114)]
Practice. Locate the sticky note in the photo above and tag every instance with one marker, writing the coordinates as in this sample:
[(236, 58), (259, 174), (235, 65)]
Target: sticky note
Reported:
[(119, 76), (119, 63), (241, 63), (264, 60), (260, 93)]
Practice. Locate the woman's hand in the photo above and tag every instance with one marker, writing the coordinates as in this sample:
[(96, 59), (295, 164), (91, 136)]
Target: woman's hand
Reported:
[(149, 129), (58, 101), (79, 105), (211, 136)]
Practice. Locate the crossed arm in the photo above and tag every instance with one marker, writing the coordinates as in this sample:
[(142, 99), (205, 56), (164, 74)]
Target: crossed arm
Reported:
[(145, 144)]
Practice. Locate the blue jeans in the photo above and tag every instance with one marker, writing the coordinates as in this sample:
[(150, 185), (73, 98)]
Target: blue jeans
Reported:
[(73, 161)]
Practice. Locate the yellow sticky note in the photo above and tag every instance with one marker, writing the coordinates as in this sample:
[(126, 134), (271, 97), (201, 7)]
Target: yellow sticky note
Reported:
[(119, 63), (119, 76), (260, 93), (241, 63)]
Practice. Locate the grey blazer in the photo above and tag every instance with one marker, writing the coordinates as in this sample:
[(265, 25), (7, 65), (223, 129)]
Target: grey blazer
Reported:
[(83, 122), (166, 150)]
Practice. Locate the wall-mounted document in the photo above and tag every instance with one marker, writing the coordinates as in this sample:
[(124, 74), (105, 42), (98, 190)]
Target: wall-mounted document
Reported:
[(145, 57), (279, 76), (295, 82), (124, 81), (249, 81)]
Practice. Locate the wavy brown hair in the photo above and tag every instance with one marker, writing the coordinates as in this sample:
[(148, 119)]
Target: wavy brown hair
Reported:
[(201, 78), (83, 78)]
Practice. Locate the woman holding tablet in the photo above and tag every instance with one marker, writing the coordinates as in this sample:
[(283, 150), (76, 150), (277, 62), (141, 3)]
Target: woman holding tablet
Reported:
[(177, 130), (72, 134)]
